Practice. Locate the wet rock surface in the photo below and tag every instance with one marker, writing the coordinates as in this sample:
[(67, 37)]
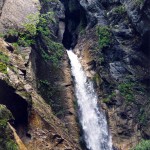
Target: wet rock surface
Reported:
[(120, 70)]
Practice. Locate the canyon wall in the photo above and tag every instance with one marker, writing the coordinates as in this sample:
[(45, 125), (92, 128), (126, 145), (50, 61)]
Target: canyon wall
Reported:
[(112, 40)]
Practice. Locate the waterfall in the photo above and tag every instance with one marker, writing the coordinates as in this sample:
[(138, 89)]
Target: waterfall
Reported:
[(92, 119)]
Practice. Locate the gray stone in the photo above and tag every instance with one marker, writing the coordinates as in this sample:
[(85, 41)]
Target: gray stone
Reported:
[(117, 70), (15, 12)]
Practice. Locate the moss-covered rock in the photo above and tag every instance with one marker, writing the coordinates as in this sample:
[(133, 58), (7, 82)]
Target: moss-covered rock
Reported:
[(6, 137)]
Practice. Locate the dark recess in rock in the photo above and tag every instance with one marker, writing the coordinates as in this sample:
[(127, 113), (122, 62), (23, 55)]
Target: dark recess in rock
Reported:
[(145, 47), (75, 20), (16, 104)]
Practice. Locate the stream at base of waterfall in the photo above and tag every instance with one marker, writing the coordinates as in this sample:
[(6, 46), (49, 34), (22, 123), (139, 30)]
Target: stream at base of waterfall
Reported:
[(92, 118)]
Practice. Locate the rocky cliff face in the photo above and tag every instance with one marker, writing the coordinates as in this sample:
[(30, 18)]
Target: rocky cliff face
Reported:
[(33, 118), (14, 13), (115, 54), (29, 69), (111, 38)]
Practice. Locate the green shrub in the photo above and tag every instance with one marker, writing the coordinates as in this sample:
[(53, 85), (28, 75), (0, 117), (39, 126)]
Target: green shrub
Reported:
[(55, 53), (126, 90), (139, 2), (31, 23), (38, 26), (119, 10), (142, 117), (6, 137), (143, 145), (25, 39), (53, 50), (11, 145), (104, 36), (109, 98), (2, 35), (12, 32), (16, 46), (3, 67), (49, 90), (4, 58)]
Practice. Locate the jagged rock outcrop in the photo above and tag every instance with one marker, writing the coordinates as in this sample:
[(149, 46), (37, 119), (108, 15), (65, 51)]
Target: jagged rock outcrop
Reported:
[(37, 117), (26, 69), (94, 11), (120, 70)]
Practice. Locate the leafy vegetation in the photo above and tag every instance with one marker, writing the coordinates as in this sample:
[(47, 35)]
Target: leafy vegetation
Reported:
[(142, 116), (139, 2), (119, 10), (30, 25), (99, 55), (46, 1), (4, 58), (26, 36), (12, 32), (6, 141), (50, 93), (104, 36), (143, 145), (11, 145), (38, 26), (109, 98), (53, 50), (3, 62), (126, 90), (3, 67)]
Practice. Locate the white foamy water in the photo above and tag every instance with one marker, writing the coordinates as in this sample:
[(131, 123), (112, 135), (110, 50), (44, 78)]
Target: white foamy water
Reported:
[(93, 120)]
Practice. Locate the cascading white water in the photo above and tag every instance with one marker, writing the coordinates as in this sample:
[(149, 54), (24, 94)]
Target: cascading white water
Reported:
[(92, 119)]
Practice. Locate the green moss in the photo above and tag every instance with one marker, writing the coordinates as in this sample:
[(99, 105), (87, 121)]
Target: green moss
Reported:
[(126, 90), (143, 145), (104, 36)]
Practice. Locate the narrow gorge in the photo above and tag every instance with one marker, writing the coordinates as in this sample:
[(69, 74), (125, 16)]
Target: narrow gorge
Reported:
[(74, 75)]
